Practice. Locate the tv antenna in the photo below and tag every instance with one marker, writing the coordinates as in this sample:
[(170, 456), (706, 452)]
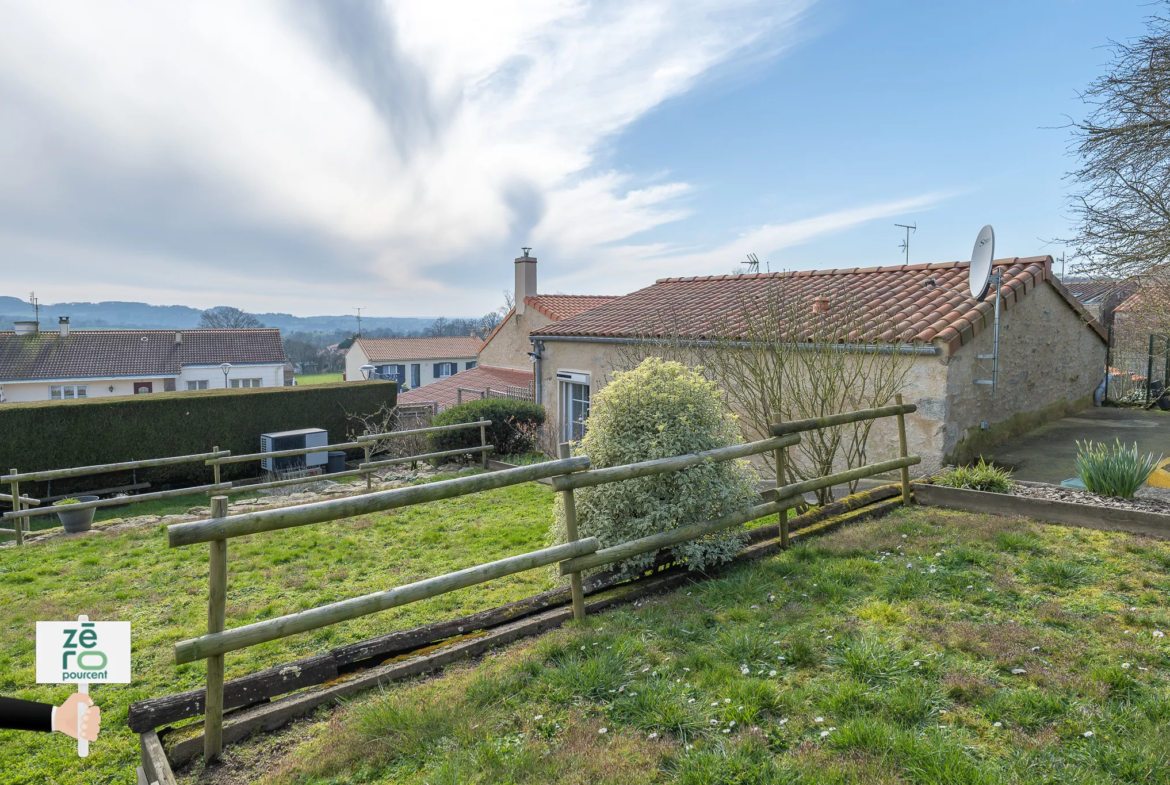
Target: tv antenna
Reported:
[(981, 276), (36, 304), (359, 318), (905, 246), (753, 263)]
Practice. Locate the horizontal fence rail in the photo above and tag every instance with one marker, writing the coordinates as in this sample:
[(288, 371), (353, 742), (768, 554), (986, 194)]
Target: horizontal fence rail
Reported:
[(7, 497), (630, 471), (674, 537), (321, 512), (257, 456), (260, 486), (364, 467), (815, 423), (840, 478), (374, 437), (78, 471), (117, 501), (294, 623)]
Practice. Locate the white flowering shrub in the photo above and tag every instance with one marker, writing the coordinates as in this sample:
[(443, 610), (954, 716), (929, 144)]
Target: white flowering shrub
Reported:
[(658, 410)]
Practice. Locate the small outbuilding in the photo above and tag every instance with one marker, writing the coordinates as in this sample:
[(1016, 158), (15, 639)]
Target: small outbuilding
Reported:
[(1051, 350)]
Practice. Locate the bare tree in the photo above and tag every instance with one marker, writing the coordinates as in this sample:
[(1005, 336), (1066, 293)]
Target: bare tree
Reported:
[(780, 357), (1120, 199), (225, 317)]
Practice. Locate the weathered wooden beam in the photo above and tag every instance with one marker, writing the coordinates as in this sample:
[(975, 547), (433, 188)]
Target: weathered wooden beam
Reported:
[(667, 539), (53, 474), (459, 426), (630, 471), (154, 760), (485, 449), (216, 620), (903, 451), (119, 501), (246, 691), (256, 456), (180, 534), (272, 629), (844, 418)]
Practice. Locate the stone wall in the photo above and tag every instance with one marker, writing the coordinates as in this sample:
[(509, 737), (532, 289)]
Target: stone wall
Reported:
[(1050, 363)]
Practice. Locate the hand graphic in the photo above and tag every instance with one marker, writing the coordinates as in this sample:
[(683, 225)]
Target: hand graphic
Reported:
[(65, 718)]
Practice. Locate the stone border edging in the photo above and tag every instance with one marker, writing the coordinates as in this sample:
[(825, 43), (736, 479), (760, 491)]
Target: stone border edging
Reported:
[(1068, 513)]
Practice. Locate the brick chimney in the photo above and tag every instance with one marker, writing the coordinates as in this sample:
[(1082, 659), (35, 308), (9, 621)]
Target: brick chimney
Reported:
[(525, 279), (63, 326)]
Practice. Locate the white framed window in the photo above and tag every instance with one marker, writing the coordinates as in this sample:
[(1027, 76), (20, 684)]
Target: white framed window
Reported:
[(65, 392), (245, 382), (443, 370), (574, 403), (197, 384)]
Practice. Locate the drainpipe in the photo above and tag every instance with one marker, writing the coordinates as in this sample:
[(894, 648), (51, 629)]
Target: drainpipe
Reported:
[(537, 356)]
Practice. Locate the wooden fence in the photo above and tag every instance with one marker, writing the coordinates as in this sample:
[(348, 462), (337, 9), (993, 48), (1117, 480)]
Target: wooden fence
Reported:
[(567, 474), (22, 510)]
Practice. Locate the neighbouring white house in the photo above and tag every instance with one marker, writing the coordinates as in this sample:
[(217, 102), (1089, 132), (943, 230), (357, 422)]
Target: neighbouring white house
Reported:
[(412, 362), (38, 365)]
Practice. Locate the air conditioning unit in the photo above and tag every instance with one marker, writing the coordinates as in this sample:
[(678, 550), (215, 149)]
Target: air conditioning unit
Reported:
[(294, 440)]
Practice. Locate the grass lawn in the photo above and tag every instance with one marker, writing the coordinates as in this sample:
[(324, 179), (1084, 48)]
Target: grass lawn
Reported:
[(318, 378), (133, 576), (926, 647)]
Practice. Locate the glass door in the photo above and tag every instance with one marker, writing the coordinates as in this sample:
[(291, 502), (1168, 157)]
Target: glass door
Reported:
[(574, 410)]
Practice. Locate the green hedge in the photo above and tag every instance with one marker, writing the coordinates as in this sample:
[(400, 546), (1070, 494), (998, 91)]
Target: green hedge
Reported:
[(514, 424), (63, 434)]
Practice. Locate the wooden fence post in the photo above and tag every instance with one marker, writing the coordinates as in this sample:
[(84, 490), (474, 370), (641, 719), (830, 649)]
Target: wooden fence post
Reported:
[(216, 620), (781, 459), (215, 467), (563, 452), (902, 453), (483, 443), (369, 474), (17, 523)]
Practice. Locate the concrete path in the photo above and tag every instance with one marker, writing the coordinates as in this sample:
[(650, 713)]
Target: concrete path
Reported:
[(1048, 454)]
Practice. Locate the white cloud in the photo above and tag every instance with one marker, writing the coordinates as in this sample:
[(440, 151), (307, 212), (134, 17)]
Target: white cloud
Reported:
[(291, 156)]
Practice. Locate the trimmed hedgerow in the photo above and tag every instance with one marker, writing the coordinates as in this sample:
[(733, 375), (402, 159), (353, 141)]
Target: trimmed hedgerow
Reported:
[(658, 410), (513, 428), (61, 434)]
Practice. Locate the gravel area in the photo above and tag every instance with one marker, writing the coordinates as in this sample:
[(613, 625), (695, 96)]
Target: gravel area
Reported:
[(1057, 493)]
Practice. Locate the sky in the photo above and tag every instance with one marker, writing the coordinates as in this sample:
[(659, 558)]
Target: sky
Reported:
[(314, 156)]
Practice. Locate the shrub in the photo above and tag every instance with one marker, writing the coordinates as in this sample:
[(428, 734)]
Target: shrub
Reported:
[(980, 477), (658, 410), (514, 424), (1119, 471), (45, 435)]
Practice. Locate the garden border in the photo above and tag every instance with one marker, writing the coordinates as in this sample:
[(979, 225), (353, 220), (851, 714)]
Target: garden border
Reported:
[(1067, 513)]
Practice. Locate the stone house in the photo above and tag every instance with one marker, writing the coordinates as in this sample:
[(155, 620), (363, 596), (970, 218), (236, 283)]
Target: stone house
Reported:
[(1051, 350), (38, 365)]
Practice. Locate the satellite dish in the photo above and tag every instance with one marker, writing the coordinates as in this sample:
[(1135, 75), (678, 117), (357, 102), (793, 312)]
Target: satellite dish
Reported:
[(980, 273)]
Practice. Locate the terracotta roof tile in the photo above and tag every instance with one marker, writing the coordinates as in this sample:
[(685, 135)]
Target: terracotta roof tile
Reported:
[(890, 301), (563, 306), (388, 349), (88, 354), (445, 392)]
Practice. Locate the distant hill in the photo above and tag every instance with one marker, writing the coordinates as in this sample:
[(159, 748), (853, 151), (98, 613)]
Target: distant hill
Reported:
[(114, 315)]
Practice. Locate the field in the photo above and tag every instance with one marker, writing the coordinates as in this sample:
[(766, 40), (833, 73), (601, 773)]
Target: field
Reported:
[(318, 378), (133, 576), (926, 647)]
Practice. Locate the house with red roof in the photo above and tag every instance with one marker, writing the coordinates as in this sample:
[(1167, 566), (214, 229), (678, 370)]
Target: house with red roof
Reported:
[(412, 362), (505, 359), (1051, 350)]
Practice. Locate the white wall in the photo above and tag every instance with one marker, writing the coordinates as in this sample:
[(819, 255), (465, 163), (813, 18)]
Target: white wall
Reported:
[(355, 359), (270, 375)]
